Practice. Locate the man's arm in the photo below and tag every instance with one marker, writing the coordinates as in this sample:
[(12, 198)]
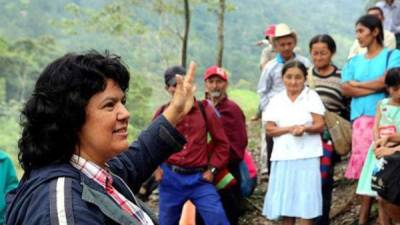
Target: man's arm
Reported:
[(234, 123), (264, 87), (396, 20)]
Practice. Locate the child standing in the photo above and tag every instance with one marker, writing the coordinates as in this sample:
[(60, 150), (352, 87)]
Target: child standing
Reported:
[(385, 133)]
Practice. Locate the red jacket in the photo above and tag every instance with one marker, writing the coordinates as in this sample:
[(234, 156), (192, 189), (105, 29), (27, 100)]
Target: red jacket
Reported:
[(193, 127), (234, 123)]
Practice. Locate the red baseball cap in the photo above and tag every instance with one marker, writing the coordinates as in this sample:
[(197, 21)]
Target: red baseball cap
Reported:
[(215, 71), (270, 31)]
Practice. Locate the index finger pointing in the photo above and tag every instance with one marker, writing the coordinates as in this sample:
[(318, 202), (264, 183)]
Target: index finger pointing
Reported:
[(191, 72)]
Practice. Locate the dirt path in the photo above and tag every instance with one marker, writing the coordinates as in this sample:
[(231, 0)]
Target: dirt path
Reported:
[(344, 210)]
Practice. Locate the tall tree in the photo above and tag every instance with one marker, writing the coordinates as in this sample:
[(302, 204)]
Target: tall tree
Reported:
[(169, 11), (219, 7), (21, 62), (185, 37), (220, 32)]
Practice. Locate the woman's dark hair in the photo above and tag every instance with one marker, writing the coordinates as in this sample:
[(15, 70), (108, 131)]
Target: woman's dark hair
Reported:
[(372, 23), (55, 113), (392, 78), (324, 38), (294, 64)]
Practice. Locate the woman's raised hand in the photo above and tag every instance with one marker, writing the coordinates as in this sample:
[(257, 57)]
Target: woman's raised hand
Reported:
[(183, 100)]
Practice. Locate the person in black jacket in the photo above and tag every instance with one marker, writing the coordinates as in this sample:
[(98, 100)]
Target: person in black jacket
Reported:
[(74, 149)]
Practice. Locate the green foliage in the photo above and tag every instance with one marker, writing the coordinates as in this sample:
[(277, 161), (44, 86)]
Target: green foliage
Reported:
[(213, 6), (138, 104), (10, 130), (246, 99), (9, 134), (147, 35), (146, 27), (113, 18), (21, 62), (2, 89)]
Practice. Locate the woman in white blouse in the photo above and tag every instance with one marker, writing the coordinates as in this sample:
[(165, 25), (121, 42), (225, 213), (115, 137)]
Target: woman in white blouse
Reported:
[(294, 118)]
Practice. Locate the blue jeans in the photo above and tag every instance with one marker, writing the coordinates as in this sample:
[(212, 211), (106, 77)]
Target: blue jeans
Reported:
[(176, 189)]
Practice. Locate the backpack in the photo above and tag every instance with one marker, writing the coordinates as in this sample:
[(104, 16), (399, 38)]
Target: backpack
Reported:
[(248, 175), (386, 178)]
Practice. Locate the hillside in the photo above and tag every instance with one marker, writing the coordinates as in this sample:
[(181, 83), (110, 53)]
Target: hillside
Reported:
[(32, 33), (243, 26)]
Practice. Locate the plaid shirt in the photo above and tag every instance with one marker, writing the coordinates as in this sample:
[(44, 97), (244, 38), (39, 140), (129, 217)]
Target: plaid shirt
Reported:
[(104, 178)]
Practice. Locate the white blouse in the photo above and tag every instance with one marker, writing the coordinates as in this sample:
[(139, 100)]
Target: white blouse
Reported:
[(285, 112)]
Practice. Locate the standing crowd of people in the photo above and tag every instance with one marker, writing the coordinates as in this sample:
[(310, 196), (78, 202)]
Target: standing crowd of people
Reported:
[(80, 169), (294, 97)]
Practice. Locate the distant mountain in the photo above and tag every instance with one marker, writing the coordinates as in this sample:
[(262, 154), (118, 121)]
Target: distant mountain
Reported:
[(150, 52)]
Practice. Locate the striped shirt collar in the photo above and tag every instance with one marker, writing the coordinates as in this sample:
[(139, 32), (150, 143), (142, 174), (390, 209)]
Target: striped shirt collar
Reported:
[(103, 177), (93, 171)]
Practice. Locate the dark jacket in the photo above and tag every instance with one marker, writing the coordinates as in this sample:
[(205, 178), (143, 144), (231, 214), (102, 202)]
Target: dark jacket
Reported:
[(46, 193)]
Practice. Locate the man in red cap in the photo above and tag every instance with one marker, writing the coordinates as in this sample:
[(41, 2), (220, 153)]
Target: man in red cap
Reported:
[(268, 53), (234, 123)]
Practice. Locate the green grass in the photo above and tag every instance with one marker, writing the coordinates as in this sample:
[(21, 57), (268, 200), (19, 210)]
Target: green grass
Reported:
[(246, 99)]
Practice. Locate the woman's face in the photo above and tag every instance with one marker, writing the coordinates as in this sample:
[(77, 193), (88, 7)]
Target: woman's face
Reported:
[(294, 80), (321, 55), (105, 131), (365, 36)]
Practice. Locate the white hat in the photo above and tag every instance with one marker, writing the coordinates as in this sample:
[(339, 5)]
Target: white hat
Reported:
[(282, 30)]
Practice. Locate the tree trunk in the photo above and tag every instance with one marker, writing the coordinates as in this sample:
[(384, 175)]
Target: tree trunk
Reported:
[(220, 33), (186, 33)]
